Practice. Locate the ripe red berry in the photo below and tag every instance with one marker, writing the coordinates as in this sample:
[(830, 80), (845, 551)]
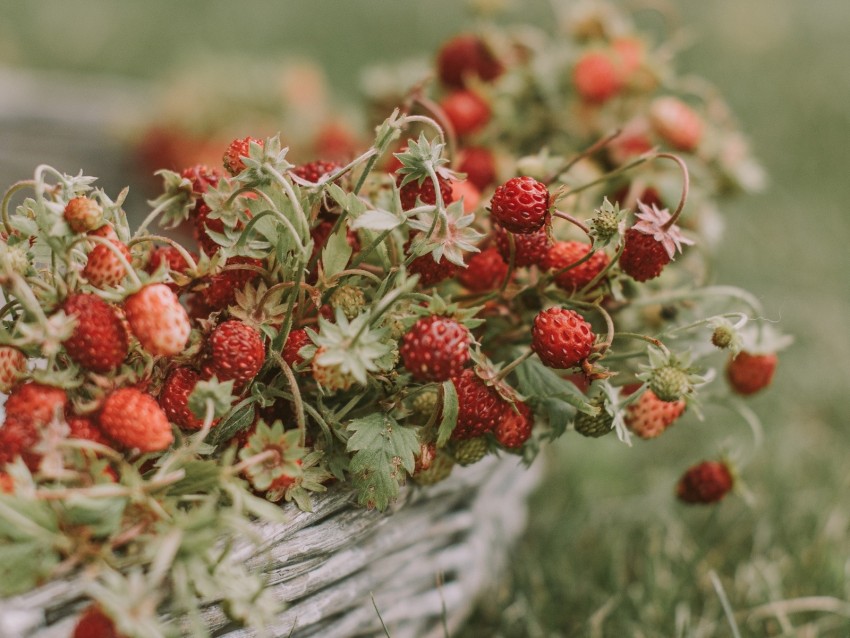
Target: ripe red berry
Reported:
[(480, 408), (236, 352), (36, 402), (598, 76), (561, 338), (485, 271), (676, 123), (106, 231), (467, 111), (13, 364), (220, 290), (643, 256), (529, 248), (238, 149), (631, 52), (82, 427), (95, 624), (133, 419), (515, 427), (99, 342), (564, 253), (424, 192), (202, 177), (158, 320), (83, 214), (174, 398), (648, 416), (435, 348), (705, 483), (18, 436), (103, 269), (314, 171), (749, 373), (479, 165), (295, 340), (521, 205), (466, 56), (431, 272), (171, 258)]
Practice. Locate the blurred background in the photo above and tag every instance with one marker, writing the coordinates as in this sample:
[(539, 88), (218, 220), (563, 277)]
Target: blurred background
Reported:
[(608, 551)]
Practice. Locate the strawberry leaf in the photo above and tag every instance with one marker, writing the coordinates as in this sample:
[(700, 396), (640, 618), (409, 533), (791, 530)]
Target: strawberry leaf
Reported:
[(336, 252), (448, 421), (536, 381)]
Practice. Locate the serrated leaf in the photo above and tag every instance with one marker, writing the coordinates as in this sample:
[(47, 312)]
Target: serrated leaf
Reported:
[(537, 381), (377, 220), (448, 421), (337, 252), (238, 420)]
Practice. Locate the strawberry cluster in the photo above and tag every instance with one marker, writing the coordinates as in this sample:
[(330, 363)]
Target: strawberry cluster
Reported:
[(452, 291)]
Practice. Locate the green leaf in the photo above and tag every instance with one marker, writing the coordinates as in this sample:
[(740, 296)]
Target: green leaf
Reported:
[(536, 381), (101, 515), (219, 393), (384, 450), (337, 252), (378, 220), (240, 419), (450, 409), (24, 565), (201, 477)]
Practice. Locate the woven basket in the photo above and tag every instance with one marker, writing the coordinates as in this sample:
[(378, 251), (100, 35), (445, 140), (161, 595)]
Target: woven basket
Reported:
[(426, 562)]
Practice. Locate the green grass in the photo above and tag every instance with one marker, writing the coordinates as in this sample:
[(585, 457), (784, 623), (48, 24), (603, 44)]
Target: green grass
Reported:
[(608, 552)]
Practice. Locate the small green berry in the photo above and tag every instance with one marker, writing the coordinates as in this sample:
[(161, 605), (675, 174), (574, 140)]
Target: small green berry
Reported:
[(425, 402), (594, 425), (440, 470), (350, 299), (723, 337), (669, 383), (471, 451)]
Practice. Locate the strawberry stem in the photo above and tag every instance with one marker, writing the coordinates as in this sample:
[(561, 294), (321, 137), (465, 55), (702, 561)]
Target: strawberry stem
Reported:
[(154, 213), (513, 365), (686, 184), (185, 254), (298, 403), (110, 245), (442, 124), (590, 150), (602, 273), (7, 198), (573, 220)]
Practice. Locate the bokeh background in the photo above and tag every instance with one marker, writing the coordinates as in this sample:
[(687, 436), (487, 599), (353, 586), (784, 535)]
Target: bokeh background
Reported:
[(608, 551)]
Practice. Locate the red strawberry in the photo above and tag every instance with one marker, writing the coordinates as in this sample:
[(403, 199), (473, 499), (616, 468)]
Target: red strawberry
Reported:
[(515, 426), (133, 419), (202, 177), (82, 427), (529, 248), (431, 272), (561, 338), (238, 149), (158, 320), (749, 373), (236, 352), (99, 342), (103, 268), (649, 416), (706, 482), (466, 191), (18, 435), (485, 271), (295, 340), (7, 483), (174, 398), (221, 289), (564, 253), (631, 52), (598, 76), (466, 56), (314, 171), (36, 403), (676, 123), (480, 408), (467, 112), (95, 624), (83, 214), (435, 348), (424, 191), (171, 258), (336, 140), (106, 231), (521, 205), (479, 165), (650, 244), (13, 364)]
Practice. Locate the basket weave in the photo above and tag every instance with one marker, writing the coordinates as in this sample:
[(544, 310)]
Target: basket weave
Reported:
[(326, 564)]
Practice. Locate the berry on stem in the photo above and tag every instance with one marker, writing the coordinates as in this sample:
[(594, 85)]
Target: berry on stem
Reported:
[(480, 408), (648, 416), (561, 338), (466, 111), (236, 352), (466, 56), (158, 320), (515, 427), (529, 248), (99, 342), (484, 272), (13, 364), (750, 373), (564, 253), (135, 420), (232, 159), (705, 483), (435, 348), (521, 205)]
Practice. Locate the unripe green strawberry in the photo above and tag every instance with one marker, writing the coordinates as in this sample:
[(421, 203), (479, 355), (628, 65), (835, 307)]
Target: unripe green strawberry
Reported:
[(723, 337), (440, 470), (594, 426), (350, 299), (331, 377), (471, 450), (669, 383), (425, 402)]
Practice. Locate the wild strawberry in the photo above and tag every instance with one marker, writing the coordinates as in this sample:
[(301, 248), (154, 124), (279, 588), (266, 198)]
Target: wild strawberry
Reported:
[(295, 340), (330, 377), (705, 483), (13, 364), (424, 192), (106, 231), (174, 398), (529, 248), (171, 258), (36, 402), (220, 290), (133, 419), (515, 427), (202, 177), (425, 402), (82, 427), (565, 253), (103, 269), (158, 320), (466, 56), (480, 408), (485, 271), (83, 214), (314, 171), (439, 470), (521, 205), (435, 348), (561, 338), (649, 416), (238, 149), (598, 76), (465, 191), (99, 342), (467, 112), (749, 373), (18, 435), (479, 165), (594, 425), (430, 272), (95, 624), (676, 123), (470, 451), (650, 244), (236, 352), (336, 140), (669, 382)]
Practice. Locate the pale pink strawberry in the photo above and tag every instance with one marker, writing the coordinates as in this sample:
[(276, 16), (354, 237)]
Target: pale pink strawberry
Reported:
[(158, 320), (13, 363), (103, 268)]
